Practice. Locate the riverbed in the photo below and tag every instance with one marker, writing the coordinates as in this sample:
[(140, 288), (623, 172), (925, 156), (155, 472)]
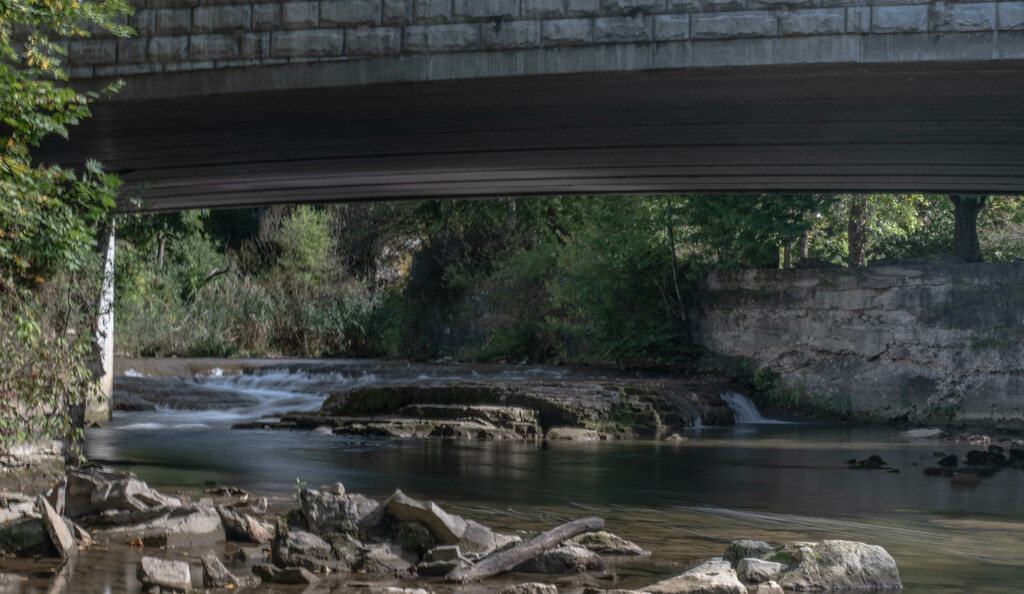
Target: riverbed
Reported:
[(683, 501)]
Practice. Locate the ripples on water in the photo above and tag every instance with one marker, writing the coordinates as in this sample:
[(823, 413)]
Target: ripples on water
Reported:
[(683, 501)]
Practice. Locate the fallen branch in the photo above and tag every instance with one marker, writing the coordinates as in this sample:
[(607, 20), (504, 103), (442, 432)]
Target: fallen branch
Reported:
[(510, 559)]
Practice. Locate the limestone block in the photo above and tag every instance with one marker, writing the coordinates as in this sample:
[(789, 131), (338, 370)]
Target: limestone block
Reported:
[(813, 22), (300, 15), (630, 7), (433, 11), (511, 35), (346, 13), (899, 19), (858, 20), (131, 51), (171, 576), (622, 29), (567, 31), (947, 16), (266, 17), (414, 39), (453, 38), (780, 4), (221, 19), (144, 22), (213, 47), (685, 6), (174, 21), (171, 3), (167, 49), (1011, 16), (468, 10), (83, 52), (672, 27), (733, 25), (710, 6), (581, 8), (315, 43), (255, 46), (378, 41), (397, 12), (543, 9)]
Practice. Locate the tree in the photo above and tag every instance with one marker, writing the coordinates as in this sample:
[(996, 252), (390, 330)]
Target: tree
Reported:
[(965, 226), (48, 219)]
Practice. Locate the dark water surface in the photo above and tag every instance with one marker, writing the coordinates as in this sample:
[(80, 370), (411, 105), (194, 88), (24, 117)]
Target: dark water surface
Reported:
[(684, 501)]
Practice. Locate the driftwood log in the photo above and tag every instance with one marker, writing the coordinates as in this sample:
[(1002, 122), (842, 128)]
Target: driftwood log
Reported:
[(511, 558)]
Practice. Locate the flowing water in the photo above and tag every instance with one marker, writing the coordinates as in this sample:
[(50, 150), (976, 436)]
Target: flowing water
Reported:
[(684, 501)]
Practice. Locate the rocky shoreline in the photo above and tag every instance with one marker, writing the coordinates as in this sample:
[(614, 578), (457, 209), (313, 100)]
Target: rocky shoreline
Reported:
[(575, 410), (329, 535)]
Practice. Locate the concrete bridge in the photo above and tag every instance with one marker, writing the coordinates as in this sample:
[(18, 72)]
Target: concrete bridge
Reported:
[(241, 102)]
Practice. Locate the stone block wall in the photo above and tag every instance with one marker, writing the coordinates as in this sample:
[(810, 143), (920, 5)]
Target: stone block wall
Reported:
[(916, 342), (550, 35)]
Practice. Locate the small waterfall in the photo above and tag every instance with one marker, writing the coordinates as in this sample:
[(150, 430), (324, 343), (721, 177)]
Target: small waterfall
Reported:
[(744, 411)]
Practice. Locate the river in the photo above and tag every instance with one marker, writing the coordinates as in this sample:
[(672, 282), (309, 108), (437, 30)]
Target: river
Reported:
[(684, 501)]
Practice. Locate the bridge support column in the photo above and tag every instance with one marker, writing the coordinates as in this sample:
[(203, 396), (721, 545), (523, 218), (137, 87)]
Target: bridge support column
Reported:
[(100, 409)]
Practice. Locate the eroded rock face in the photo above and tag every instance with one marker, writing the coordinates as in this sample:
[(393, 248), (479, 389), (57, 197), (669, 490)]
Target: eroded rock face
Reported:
[(711, 577), (572, 434)]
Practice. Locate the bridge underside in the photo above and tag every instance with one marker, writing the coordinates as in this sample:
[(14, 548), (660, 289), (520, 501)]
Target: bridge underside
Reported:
[(930, 127)]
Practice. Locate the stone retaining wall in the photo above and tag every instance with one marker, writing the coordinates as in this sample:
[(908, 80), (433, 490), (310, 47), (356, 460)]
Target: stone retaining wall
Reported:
[(918, 342), (189, 35)]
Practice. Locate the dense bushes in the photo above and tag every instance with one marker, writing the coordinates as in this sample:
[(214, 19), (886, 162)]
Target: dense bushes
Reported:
[(570, 279)]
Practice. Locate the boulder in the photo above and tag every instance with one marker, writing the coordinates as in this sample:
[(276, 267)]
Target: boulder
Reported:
[(25, 536), (289, 575), (168, 576), (676, 437), (769, 587), (572, 434), (249, 554), (378, 558), (439, 561), (607, 543), (56, 528), (445, 527), (836, 565), (323, 430), (330, 512), (478, 540), (91, 492), (744, 548), (930, 433), (412, 537), (444, 553), (184, 527), (215, 575), (299, 548), (563, 560), (711, 577), (529, 588), (948, 461), (244, 527), (759, 570)]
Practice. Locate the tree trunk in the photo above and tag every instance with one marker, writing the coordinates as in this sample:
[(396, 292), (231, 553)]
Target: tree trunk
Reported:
[(508, 560), (805, 245), (161, 243), (857, 231), (965, 226), (786, 255)]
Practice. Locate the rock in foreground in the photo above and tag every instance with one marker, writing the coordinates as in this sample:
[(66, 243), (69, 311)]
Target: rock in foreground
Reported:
[(711, 577), (826, 566)]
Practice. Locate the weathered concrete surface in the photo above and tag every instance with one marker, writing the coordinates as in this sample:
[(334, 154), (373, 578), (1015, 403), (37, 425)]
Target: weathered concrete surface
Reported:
[(917, 342)]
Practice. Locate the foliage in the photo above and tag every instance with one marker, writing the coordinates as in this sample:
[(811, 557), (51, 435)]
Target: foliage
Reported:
[(49, 218)]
